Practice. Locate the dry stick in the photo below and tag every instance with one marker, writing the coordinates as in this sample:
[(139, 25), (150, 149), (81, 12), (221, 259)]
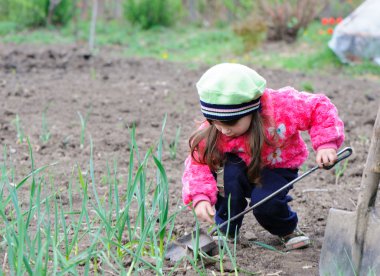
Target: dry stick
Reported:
[(367, 195)]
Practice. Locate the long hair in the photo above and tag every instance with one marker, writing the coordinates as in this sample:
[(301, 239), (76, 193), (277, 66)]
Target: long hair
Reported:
[(210, 154)]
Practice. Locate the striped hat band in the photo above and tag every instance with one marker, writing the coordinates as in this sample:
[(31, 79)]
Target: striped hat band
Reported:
[(229, 112)]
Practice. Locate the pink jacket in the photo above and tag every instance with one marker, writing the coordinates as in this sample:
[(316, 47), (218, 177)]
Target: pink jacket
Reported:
[(292, 112)]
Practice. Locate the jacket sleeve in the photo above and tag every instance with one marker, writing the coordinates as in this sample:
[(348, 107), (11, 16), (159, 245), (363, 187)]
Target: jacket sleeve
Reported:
[(198, 183), (316, 114)]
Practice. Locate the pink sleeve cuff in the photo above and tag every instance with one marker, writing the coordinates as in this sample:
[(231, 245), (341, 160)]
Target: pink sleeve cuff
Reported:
[(200, 197), (331, 145)]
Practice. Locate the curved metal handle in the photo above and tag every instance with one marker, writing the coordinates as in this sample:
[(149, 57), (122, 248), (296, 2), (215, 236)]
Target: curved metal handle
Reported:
[(343, 154)]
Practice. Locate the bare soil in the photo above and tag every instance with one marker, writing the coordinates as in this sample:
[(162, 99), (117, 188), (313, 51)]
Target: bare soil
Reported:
[(117, 92)]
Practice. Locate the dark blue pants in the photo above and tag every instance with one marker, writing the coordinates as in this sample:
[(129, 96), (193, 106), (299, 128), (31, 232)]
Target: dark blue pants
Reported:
[(274, 215)]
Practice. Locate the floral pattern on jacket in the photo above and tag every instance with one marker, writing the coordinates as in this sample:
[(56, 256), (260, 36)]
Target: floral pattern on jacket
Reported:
[(291, 112)]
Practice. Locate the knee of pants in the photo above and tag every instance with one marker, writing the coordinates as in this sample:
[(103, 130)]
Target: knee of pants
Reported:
[(275, 207)]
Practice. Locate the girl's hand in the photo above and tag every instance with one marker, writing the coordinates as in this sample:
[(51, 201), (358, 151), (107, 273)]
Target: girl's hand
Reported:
[(204, 211), (326, 157)]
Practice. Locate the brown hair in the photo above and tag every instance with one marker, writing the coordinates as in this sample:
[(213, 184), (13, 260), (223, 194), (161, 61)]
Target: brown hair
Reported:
[(210, 155)]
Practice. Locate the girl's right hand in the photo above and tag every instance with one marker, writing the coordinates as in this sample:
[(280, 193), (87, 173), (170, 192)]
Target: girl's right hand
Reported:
[(204, 211)]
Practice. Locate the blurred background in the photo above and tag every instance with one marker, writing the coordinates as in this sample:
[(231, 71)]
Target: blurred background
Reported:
[(290, 35)]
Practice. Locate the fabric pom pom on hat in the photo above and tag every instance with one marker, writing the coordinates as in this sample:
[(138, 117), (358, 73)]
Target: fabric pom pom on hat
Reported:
[(229, 91)]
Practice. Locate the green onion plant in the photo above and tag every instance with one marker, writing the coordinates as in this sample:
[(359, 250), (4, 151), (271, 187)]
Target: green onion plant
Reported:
[(83, 123), (80, 229), (174, 145), (339, 170), (19, 129), (45, 135)]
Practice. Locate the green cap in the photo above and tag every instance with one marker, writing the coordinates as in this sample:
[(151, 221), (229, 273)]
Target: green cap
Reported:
[(229, 91), (230, 84)]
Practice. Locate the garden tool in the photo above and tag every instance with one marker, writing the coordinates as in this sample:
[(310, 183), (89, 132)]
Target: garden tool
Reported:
[(352, 239), (204, 242)]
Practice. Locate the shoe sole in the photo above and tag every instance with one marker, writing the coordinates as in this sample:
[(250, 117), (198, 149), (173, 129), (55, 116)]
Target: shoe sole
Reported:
[(298, 245)]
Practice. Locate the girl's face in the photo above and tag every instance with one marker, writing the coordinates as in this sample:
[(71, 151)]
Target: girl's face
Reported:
[(233, 128)]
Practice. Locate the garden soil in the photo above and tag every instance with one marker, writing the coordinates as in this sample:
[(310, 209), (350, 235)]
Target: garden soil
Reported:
[(116, 93)]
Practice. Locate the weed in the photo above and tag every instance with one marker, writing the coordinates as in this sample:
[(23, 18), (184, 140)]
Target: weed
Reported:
[(304, 168), (8, 27), (19, 129), (307, 86), (152, 13), (363, 139), (339, 170), (83, 123), (45, 135), (93, 73), (174, 144), (37, 13)]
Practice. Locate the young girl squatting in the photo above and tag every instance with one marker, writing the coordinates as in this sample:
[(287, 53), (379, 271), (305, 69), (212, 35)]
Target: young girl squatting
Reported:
[(250, 146)]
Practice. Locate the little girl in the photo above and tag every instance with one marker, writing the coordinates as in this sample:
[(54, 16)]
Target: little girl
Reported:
[(250, 146)]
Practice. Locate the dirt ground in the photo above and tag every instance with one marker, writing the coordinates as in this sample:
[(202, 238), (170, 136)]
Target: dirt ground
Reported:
[(117, 92)]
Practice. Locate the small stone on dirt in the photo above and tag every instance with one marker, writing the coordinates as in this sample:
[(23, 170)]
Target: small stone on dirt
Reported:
[(250, 236)]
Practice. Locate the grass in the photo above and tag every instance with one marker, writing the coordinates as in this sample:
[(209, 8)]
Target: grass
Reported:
[(310, 54), (188, 43), (194, 45)]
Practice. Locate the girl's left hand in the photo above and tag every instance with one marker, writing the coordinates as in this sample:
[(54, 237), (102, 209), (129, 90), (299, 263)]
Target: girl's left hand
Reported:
[(326, 157)]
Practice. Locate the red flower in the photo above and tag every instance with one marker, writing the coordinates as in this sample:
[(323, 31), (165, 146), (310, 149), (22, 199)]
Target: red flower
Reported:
[(338, 20), (331, 20), (324, 21), (330, 31)]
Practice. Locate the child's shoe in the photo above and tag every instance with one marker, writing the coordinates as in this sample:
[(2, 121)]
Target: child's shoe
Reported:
[(295, 240)]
